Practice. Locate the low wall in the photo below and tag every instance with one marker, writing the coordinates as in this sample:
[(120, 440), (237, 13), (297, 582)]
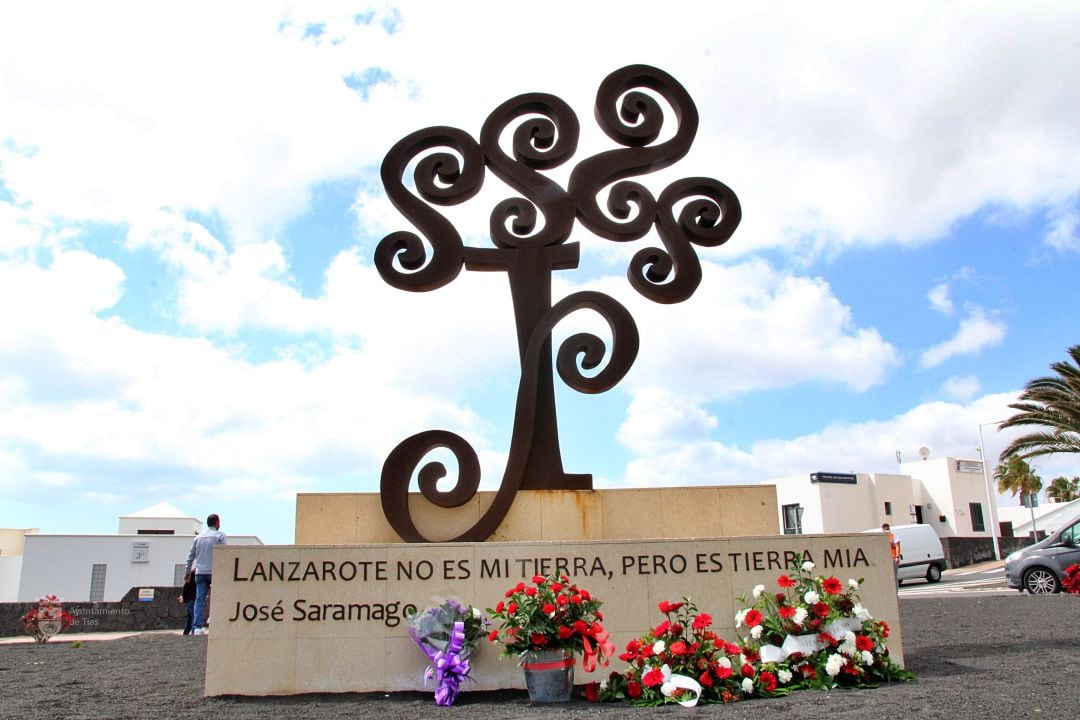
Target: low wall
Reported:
[(161, 613), (961, 551), (1012, 544)]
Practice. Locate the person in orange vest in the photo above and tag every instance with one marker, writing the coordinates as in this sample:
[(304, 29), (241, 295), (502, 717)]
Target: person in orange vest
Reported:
[(894, 546)]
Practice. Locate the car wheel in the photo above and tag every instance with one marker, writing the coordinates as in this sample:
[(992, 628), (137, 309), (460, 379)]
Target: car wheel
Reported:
[(1040, 581), (933, 574)]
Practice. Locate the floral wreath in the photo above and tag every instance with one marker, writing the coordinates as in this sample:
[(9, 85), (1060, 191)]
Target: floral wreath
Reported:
[(815, 632), (812, 633)]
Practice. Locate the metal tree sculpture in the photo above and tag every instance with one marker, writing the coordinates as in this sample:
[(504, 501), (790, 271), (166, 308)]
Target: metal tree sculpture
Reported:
[(547, 134)]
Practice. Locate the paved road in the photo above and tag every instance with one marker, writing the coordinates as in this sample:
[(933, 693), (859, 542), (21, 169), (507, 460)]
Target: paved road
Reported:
[(983, 578)]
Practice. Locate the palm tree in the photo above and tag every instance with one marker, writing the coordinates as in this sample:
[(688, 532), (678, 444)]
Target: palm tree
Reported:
[(1062, 489), (1051, 403), (1016, 476)]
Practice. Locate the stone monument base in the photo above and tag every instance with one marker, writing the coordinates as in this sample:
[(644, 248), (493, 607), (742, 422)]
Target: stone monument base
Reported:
[(320, 618), (637, 513)]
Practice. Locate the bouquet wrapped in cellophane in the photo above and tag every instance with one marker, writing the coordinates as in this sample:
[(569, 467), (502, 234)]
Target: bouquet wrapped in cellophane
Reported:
[(447, 633)]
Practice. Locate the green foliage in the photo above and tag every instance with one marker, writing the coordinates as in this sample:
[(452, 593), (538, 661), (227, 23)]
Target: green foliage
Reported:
[(1014, 476), (1053, 404), (1064, 489)]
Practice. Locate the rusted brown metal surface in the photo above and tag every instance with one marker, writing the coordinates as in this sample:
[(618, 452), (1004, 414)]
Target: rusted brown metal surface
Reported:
[(543, 135)]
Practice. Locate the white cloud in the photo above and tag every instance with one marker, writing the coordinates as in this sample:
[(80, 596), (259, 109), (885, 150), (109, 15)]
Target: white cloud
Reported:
[(893, 136), (702, 463), (1065, 221), (947, 429), (196, 106), (961, 387), (112, 403), (658, 421), (188, 408), (940, 300), (976, 331), (873, 138), (750, 327), (18, 232)]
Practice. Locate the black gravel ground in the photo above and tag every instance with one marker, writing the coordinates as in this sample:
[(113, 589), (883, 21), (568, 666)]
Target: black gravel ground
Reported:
[(994, 656)]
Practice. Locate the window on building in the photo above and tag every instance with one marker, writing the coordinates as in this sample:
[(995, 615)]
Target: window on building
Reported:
[(792, 519), (97, 582), (977, 523), (888, 508), (178, 573), (155, 532)]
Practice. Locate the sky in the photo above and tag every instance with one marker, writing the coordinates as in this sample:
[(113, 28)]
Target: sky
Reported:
[(190, 201)]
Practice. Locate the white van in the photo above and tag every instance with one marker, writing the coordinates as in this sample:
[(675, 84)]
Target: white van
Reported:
[(921, 555)]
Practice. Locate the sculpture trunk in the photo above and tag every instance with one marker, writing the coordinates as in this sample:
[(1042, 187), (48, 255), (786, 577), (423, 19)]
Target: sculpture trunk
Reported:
[(529, 271)]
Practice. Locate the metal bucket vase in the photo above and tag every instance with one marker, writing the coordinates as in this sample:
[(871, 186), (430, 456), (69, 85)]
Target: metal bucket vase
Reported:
[(549, 675), (46, 629)]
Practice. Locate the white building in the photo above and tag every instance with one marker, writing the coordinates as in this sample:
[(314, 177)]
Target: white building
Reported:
[(12, 542), (150, 549), (956, 496), (948, 494), (1048, 518), (160, 519)]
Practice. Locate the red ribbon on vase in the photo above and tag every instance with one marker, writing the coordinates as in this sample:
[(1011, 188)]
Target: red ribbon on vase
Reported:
[(564, 662), (603, 645)]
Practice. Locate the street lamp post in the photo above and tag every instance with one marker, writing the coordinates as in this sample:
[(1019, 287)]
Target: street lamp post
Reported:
[(990, 495)]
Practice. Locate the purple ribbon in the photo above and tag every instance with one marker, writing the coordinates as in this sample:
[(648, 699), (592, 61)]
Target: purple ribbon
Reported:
[(447, 667)]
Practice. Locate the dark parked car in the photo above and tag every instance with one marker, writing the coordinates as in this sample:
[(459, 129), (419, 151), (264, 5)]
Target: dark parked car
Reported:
[(1040, 567)]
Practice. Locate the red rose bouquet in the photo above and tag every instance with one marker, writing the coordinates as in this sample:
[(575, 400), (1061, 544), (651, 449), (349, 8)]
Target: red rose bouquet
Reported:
[(1071, 581), (551, 613)]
